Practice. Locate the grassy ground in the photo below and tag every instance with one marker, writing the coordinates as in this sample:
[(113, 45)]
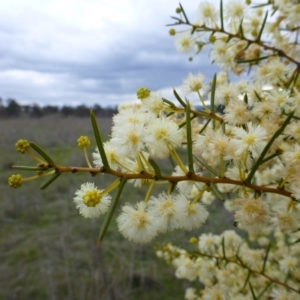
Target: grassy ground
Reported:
[(48, 251)]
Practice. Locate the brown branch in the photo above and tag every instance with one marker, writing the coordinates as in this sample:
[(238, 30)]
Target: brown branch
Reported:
[(279, 52), (176, 179)]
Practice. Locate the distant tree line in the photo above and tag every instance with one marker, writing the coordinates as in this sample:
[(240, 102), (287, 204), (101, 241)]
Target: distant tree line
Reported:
[(12, 109)]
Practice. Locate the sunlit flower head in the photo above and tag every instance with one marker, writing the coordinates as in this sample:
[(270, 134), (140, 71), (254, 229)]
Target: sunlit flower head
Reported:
[(184, 42), (163, 208), (190, 215), (90, 201), (160, 132), (287, 221), (128, 139), (136, 223), (253, 139), (213, 293), (153, 103), (207, 243), (234, 10), (251, 214), (193, 83), (111, 154), (208, 14)]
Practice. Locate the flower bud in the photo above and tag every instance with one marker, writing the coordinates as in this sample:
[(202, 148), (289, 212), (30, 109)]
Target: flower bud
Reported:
[(22, 146), (212, 39), (83, 142), (143, 93), (15, 181), (172, 31), (193, 240)]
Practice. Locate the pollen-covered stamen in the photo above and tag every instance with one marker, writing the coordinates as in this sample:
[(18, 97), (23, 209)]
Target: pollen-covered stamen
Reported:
[(191, 209), (133, 138), (185, 43), (161, 133), (91, 198), (140, 219), (221, 146), (249, 139), (296, 156), (167, 208)]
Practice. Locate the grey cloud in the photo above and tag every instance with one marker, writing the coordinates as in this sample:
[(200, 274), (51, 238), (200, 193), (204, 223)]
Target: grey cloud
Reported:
[(60, 64)]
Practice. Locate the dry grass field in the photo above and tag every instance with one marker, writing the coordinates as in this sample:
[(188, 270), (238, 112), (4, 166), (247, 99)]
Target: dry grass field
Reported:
[(48, 251)]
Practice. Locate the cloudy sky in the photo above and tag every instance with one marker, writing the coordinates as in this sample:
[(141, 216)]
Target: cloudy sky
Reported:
[(90, 51)]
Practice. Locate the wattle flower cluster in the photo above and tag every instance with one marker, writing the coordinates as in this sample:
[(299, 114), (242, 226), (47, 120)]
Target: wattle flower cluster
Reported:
[(230, 269), (240, 144)]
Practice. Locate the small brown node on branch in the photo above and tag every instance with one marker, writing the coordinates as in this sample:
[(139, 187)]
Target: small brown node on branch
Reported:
[(189, 174), (74, 170)]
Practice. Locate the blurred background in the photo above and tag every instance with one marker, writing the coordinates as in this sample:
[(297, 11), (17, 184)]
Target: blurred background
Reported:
[(48, 250)]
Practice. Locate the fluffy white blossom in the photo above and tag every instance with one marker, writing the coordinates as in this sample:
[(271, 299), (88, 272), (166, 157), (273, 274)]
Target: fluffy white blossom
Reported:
[(286, 221), (208, 13), (111, 154), (222, 55), (184, 42), (191, 215), (164, 210), (190, 294), (289, 264), (226, 93), (237, 113), (234, 10), (90, 201), (213, 293), (136, 223), (193, 83), (154, 103), (160, 132), (253, 139), (251, 214), (128, 139), (207, 243)]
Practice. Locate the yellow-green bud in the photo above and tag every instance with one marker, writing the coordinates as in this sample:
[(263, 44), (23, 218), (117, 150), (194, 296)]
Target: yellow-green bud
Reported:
[(83, 142), (22, 146), (193, 240), (146, 181), (15, 181), (172, 31), (212, 39), (254, 33), (178, 10), (248, 2), (190, 58), (143, 93)]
